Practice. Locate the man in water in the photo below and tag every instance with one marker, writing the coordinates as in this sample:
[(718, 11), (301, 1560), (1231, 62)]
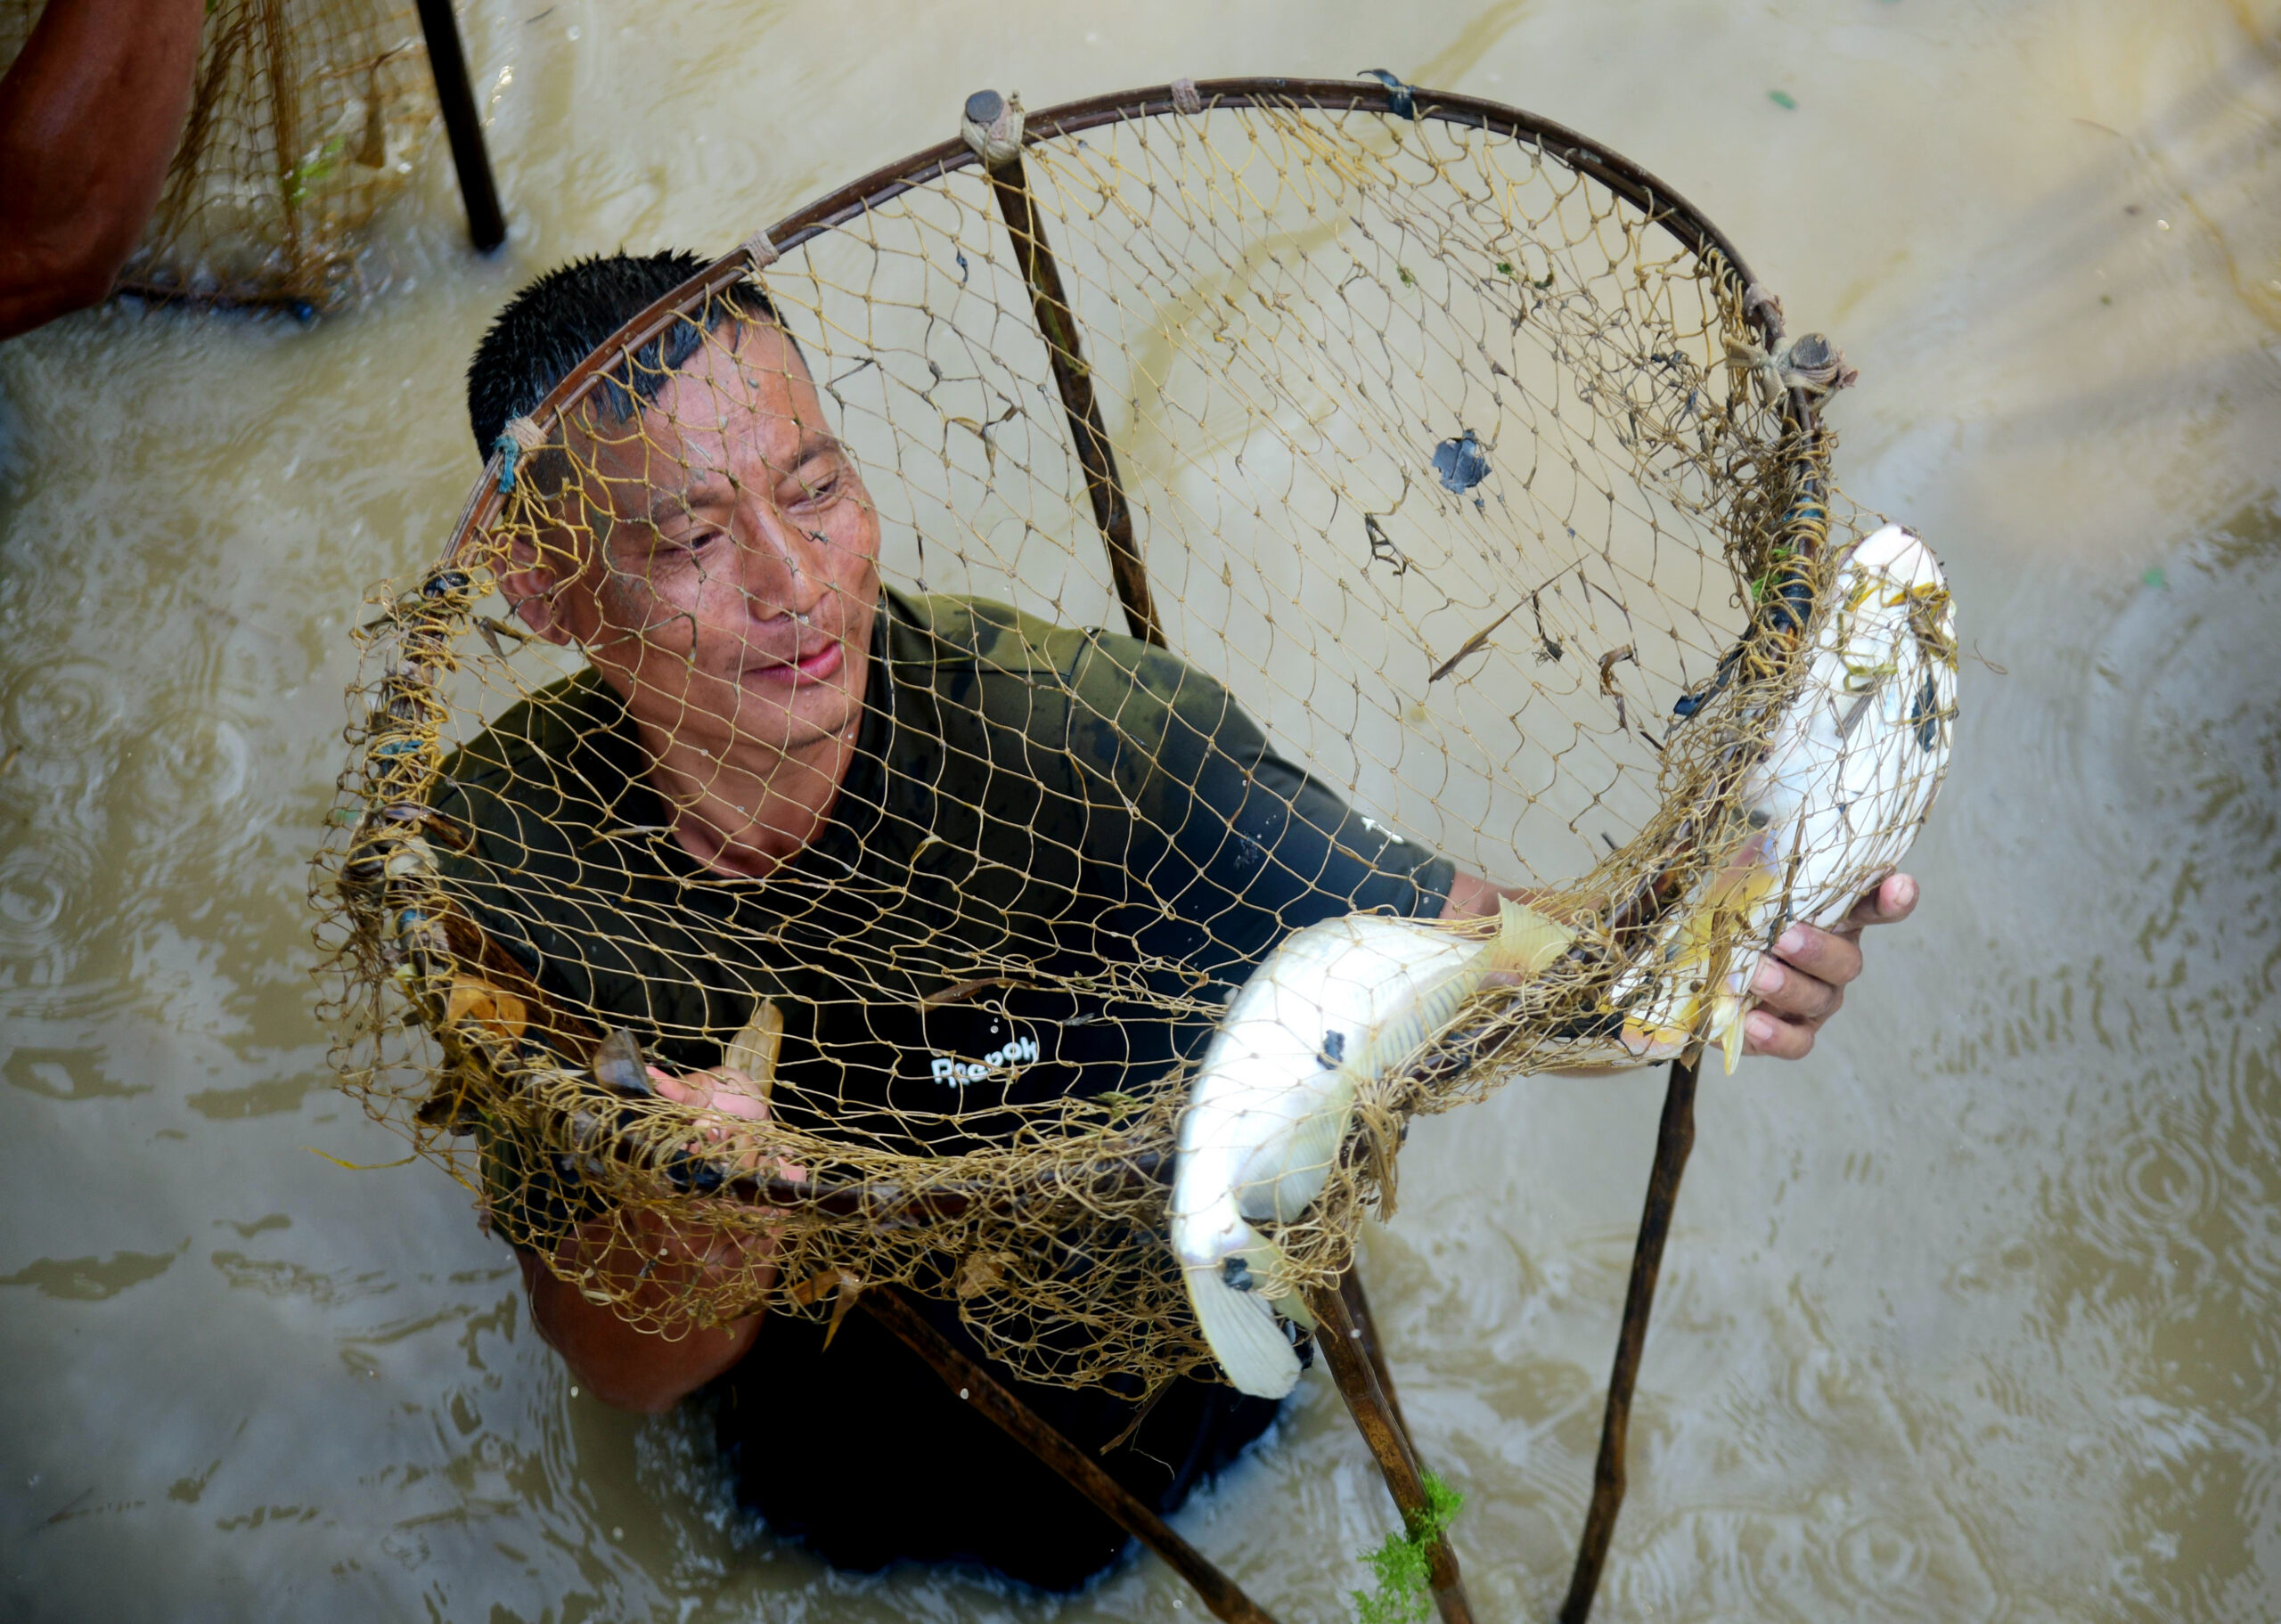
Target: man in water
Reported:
[(780, 779)]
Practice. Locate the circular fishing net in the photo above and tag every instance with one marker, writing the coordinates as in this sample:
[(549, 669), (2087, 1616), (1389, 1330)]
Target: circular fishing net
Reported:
[(307, 115), (1283, 496)]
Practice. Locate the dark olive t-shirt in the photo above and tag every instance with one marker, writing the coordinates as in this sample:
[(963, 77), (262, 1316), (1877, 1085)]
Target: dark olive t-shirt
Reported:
[(1086, 822), (1055, 809)]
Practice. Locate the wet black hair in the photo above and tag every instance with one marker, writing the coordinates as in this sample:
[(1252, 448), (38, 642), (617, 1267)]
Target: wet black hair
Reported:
[(558, 320)]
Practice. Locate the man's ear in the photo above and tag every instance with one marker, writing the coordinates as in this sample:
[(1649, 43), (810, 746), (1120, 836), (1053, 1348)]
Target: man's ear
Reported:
[(528, 586)]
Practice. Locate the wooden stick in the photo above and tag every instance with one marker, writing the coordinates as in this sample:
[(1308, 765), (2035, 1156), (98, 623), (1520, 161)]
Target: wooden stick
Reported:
[(1673, 1139), (1340, 1339), (1358, 1305), (1010, 184), (448, 62), (978, 1388)]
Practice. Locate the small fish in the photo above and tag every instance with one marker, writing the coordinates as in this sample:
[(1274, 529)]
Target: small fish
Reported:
[(1461, 463), (1849, 777), (1336, 1008)]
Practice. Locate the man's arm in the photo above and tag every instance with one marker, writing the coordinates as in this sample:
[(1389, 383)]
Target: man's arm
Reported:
[(90, 114), (624, 1365), (1800, 985), (628, 1367)]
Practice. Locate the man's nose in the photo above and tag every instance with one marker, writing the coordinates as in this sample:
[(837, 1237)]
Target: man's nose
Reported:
[(779, 564)]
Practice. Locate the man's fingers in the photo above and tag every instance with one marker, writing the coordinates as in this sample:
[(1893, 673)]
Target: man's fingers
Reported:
[(734, 1094), (1792, 992), (1894, 900), (1765, 1033), (693, 1090), (730, 1093), (1801, 983), (724, 1097), (720, 1089), (1824, 955)]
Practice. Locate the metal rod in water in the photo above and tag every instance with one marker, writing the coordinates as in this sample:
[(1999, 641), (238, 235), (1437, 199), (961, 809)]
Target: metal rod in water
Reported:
[(1340, 1339), (485, 224), (1674, 1137), (978, 1388), (1010, 184)]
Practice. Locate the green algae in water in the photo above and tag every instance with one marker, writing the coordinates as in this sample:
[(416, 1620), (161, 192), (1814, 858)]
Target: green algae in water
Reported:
[(1402, 1563)]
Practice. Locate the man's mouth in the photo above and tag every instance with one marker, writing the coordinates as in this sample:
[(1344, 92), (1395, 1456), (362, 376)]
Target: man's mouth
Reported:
[(819, 666)]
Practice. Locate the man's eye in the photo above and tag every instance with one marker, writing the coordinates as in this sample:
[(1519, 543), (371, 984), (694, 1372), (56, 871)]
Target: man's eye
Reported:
[(818, 488)]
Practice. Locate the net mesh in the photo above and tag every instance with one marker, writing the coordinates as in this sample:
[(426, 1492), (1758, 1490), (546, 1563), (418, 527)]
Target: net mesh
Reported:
[(306, 116), (1482, 531)]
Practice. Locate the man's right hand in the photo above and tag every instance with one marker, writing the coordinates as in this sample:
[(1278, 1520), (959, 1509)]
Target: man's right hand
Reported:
[(656, 1265), (726, 1097)]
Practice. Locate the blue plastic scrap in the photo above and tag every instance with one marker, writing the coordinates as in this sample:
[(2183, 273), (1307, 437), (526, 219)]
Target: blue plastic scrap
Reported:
[(1461, 463)]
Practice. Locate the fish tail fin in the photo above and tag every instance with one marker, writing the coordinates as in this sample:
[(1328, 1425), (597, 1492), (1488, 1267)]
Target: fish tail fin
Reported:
[(1294, 1308), (1738, 896), (1527, 940), (1728, 1009), (1241, 1326), (1717, 956)]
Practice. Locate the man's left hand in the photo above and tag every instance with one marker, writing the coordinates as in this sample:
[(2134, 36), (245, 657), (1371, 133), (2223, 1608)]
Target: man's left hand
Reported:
[(1801, 983)]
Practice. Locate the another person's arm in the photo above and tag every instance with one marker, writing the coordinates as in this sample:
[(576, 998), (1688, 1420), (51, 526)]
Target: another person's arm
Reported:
[(90, 114), (1800, 985)]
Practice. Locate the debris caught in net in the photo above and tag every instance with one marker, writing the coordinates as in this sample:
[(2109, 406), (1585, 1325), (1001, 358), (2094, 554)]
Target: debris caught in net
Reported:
[(305, 116), (1451, 504)]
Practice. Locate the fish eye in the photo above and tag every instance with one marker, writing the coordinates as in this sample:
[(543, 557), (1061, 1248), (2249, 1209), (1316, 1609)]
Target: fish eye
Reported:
[(1236, 1273)]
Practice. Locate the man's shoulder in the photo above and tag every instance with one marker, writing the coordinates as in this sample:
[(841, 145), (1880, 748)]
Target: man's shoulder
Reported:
[(1100, 669), (530, 742), (958, 632)]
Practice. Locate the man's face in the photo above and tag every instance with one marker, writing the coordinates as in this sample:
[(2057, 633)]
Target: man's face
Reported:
[(728, 563)]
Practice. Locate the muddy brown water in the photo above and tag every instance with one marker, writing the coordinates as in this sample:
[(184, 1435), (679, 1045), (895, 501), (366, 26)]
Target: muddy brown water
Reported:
[(1975, 1315)]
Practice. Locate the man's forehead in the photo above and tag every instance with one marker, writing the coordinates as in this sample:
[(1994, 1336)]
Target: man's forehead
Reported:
[(746, 388)]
